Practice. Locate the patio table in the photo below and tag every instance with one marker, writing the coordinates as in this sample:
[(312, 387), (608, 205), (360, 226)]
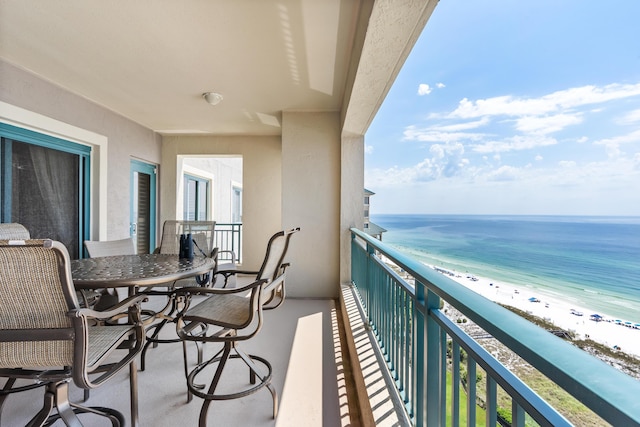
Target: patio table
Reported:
[(132, 272)]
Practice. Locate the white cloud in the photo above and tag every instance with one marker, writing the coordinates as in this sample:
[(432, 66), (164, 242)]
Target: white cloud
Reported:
[(567, 164), (368, 149), (462, 126), (612, 145), (547, 124), (447, 160), (440, 85), (424, 89), (504, 173), (473, 155), (515, 143), (632, 137), (630, 118), (553, 102), (412, 133)]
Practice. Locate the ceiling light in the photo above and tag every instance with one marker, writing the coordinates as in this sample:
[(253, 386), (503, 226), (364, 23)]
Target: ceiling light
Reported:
[(212, 97)]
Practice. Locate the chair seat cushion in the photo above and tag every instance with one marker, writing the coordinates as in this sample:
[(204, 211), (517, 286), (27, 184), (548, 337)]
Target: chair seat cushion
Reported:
[(102, 339), (228, 311)]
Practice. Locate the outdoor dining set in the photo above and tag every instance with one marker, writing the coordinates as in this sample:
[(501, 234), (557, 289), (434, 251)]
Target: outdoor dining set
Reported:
[(64, 321)]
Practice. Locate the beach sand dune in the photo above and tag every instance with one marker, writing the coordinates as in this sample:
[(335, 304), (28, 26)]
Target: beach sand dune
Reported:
[(617, 335)]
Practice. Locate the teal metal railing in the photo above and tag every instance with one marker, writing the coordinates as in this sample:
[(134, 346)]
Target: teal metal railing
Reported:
[(414, 334), (228, 239)]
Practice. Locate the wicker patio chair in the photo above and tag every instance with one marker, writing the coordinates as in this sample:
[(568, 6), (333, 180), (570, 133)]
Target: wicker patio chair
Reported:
[(235, 315), (202, 233), (13, 231), (47, 337)]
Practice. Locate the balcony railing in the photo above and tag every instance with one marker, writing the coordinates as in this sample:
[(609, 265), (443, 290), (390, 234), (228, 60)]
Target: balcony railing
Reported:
[(228, 239), (413, 333)]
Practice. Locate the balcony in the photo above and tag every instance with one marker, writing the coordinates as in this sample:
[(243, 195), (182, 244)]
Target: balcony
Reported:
[(378, 357)]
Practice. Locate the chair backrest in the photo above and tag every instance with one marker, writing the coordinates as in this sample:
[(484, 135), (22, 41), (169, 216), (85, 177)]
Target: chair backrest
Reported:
[(276, 251), (202, 233), (13, 230), (110, 247), (36, 295)]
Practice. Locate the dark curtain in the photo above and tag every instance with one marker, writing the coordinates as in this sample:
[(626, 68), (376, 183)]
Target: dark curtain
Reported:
[(45, 195)]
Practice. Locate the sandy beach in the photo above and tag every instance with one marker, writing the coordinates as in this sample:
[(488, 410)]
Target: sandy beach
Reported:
[(569, 317)]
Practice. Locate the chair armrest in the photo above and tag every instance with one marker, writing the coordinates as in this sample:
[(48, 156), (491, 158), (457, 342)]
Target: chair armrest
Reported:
[(219, 291), (228, 251), (111, 312)]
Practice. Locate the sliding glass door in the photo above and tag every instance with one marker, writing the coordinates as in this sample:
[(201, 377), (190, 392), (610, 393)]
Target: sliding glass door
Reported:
[(44, 185)]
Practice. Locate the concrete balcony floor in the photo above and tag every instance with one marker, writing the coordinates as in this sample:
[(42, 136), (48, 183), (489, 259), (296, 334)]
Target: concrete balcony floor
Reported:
[(300, 339)]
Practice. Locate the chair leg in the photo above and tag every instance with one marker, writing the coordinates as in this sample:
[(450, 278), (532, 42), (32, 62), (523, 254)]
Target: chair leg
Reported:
[(133, 392), (57, 396), (49, 403), (3, 397), (116, 418), (214, 383), (253, 372), (274, 397), (64, 406), (151, 341), (186, 370)]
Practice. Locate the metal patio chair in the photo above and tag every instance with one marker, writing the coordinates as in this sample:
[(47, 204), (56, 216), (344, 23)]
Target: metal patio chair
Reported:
[(107, 298), (46, 336), (234, 315), (202, 234)]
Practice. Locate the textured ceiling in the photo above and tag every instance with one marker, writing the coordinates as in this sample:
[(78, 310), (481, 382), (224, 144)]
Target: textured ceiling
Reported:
[(150, 61)]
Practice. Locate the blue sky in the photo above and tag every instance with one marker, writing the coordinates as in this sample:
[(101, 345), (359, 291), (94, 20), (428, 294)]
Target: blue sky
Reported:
[(509, 107)]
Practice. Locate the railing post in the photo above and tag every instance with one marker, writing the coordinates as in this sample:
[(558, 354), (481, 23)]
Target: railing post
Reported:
[(455, 383), (434, 398), (370, 283), (419, 356)]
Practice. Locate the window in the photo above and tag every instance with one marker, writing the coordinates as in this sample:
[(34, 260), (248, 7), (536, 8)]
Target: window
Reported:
[(44, 185), (196, 198), (236, 204)]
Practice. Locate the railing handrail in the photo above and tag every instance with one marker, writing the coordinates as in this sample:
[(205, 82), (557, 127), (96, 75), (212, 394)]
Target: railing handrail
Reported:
[(607, 391)]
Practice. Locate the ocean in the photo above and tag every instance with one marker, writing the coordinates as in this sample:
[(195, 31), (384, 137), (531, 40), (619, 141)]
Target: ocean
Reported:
[(592, 262)]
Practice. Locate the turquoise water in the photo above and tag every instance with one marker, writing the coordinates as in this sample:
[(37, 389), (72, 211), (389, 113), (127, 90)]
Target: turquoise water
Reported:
[(593, 262)]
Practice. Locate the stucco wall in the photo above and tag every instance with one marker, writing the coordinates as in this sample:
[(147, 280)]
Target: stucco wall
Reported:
[(124, 140), (311, 201), (352, 198), (262, 183)]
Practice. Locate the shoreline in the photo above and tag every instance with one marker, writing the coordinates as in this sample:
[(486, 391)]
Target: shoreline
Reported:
[(616, 333)]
